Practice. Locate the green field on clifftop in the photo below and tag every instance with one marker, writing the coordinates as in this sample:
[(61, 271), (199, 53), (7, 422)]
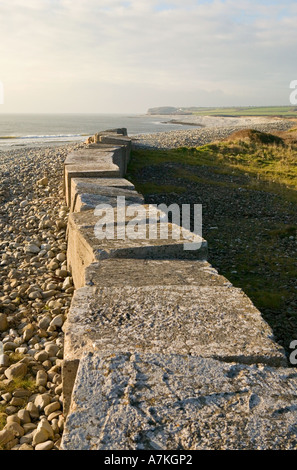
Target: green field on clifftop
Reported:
[(282, 111)]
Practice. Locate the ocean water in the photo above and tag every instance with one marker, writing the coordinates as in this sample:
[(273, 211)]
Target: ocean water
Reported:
[(34, 130)]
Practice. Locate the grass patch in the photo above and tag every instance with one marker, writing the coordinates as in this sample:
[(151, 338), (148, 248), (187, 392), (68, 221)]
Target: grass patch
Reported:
[(283, 232), (2, 417), (251, 135), (25, 383), (269, 162), (15, 357), (273, 163), (254, 245)]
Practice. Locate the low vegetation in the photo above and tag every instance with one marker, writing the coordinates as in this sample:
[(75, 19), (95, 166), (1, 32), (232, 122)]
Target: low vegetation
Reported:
[(281, 111), (247, 186)]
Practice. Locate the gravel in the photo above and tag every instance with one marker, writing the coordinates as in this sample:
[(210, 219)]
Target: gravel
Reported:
[(197, 137), (35, 295)]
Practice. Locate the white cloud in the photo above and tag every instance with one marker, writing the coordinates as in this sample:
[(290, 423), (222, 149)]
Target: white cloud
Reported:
[(210, 52)]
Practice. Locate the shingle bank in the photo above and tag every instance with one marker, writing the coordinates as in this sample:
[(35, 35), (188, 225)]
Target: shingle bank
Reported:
[(161, 352)]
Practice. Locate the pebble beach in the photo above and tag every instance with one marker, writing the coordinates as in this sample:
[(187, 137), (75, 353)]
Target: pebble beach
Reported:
[(35, 287), (35, 294), (209, 132)]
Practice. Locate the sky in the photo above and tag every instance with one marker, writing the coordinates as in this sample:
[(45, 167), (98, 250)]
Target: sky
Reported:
[(113, 56)]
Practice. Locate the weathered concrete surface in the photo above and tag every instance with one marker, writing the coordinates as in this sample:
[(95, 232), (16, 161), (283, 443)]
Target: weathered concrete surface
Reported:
[(217, 321), (81, 199), (109, 140), (121, 131), (116, 140), (118, 130), (84, 246), (112, 137), (89, 187), (143, 272), (136, 401), (137, 273), (86, 202), (93, 185), (209, 321), (118, 154), (85, 156), (93, 170)]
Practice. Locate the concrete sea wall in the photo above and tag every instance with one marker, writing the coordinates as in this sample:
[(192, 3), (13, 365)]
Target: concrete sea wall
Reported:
[(161, 352)]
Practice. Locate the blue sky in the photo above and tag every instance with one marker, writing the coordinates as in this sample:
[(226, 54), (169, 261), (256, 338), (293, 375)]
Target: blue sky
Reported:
[(126, 56)]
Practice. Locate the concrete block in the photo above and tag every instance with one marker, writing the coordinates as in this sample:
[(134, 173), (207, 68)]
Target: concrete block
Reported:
[(116, 155), (86, 156), (90, 185), (118, 140), (140, 401), (82, 199), (214, 321), (84, 246), (125, 145), (86, 202), (147, 272), (93, 185), (93, 170), (208, 321), (119, 131)]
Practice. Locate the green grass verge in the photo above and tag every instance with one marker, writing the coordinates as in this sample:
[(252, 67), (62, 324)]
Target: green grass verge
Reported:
[(262, 265), (264, 163), (283, 111)]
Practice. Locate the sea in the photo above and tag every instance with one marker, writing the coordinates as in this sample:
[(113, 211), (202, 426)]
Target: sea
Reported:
[(37, 130)]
